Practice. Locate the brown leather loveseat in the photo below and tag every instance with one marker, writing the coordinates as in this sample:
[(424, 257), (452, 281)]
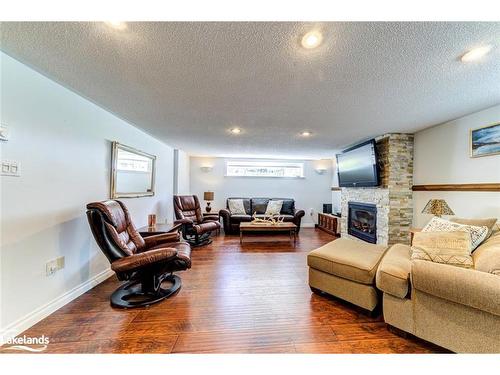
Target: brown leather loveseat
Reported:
[(258, 206)]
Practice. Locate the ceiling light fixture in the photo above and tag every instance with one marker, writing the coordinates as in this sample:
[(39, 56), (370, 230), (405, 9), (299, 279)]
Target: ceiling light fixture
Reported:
[(118, 25), (235, 130), (312, 39), (475, 54), (306, 134)]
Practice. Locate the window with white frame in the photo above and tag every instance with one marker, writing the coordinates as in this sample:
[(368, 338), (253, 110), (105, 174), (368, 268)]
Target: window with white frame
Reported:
[(264, 169)]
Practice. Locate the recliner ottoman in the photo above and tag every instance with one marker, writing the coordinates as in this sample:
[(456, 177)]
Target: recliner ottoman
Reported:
[(346, 269)]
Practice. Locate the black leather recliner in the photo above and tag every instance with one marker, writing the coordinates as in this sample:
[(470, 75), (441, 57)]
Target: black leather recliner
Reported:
[(144, 262)]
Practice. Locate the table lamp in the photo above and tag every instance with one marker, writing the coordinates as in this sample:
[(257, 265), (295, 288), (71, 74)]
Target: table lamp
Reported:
[(437, 207), (208, 196)]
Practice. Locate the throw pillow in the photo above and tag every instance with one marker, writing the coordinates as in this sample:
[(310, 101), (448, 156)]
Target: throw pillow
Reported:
[(288, 207), (490, 223), (274, 208), (452, 248), (477, 234), (236, 207)]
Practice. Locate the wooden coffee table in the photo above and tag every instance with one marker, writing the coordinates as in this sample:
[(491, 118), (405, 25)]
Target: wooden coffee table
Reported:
[(291, 228)]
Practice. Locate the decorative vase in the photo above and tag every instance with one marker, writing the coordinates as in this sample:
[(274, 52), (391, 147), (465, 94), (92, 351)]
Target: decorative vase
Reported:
[(151, 220)]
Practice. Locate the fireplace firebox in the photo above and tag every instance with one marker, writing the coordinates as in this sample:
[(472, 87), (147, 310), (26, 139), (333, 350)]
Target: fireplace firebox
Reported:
[(362, 221)]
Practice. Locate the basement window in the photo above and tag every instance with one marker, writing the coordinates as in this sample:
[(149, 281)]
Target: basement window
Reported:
[(264, 169)]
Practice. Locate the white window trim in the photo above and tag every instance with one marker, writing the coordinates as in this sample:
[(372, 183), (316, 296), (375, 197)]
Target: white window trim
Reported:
[(268, 163)]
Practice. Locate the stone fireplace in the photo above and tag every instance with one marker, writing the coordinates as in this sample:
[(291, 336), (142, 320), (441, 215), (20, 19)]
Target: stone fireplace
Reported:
[(362, 221), (392, 200)]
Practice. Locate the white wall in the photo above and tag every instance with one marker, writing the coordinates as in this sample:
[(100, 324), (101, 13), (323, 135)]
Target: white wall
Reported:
[(183, 174), (336, 194), (309, 192), (442, 156), (63, 143)]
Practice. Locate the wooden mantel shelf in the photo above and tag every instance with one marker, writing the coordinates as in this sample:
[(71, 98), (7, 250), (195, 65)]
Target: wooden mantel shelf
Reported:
[(450, 187), (458, 187)]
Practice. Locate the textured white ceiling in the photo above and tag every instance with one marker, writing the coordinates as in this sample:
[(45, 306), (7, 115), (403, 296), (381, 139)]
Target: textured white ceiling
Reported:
[(188, 83)]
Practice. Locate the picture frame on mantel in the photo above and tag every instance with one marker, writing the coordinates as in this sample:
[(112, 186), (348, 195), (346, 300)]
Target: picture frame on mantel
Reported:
[(485, 141)]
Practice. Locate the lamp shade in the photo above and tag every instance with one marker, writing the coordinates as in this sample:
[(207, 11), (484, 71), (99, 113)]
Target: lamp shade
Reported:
[(437, 207), (208, 195)]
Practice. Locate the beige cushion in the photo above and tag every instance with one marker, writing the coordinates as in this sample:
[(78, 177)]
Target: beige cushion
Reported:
[(487, 256), (393, 273), (489, 223), (477, 234), (274, 207), (236, 206), (350, 259), (451, 248)]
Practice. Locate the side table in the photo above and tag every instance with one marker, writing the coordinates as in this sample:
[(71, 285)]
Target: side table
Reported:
[(328, 223), (158, 229)]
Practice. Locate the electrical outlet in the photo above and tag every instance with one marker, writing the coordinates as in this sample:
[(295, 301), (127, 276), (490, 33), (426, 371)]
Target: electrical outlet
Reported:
[(54, 265), (51, 267), (311, 211)]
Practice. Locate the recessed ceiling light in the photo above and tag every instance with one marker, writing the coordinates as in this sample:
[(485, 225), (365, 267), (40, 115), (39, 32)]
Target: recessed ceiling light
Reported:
[(117, 25), (312, 39), (475, 54), (305, 133), (235, 130)]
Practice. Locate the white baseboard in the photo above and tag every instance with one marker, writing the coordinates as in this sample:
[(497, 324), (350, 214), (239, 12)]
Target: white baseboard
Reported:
[(42, 312)]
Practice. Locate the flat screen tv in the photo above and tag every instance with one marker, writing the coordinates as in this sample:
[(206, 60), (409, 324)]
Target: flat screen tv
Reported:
[(357, 166)]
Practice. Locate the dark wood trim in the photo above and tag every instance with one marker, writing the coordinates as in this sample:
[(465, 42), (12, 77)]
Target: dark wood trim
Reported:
[(334, 188), (458, 187)]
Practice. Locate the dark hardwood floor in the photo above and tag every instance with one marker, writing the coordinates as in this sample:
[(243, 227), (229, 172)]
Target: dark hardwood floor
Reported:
[(250, 298)]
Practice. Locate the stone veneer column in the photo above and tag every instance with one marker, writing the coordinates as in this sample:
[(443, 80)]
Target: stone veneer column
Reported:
[(394, 195), (400, 183)]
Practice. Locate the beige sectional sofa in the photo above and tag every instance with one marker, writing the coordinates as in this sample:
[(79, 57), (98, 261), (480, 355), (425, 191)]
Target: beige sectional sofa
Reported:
[(453, 307)]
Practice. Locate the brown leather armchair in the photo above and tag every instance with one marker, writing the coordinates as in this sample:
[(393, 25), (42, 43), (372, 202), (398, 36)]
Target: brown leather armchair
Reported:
[(195, 228), (144, 262)]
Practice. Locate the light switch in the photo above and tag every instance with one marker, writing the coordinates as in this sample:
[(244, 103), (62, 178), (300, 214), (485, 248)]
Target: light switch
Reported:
[(10, 168)]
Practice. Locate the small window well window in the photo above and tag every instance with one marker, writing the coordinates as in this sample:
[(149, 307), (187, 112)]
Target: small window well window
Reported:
[(264, 169)]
